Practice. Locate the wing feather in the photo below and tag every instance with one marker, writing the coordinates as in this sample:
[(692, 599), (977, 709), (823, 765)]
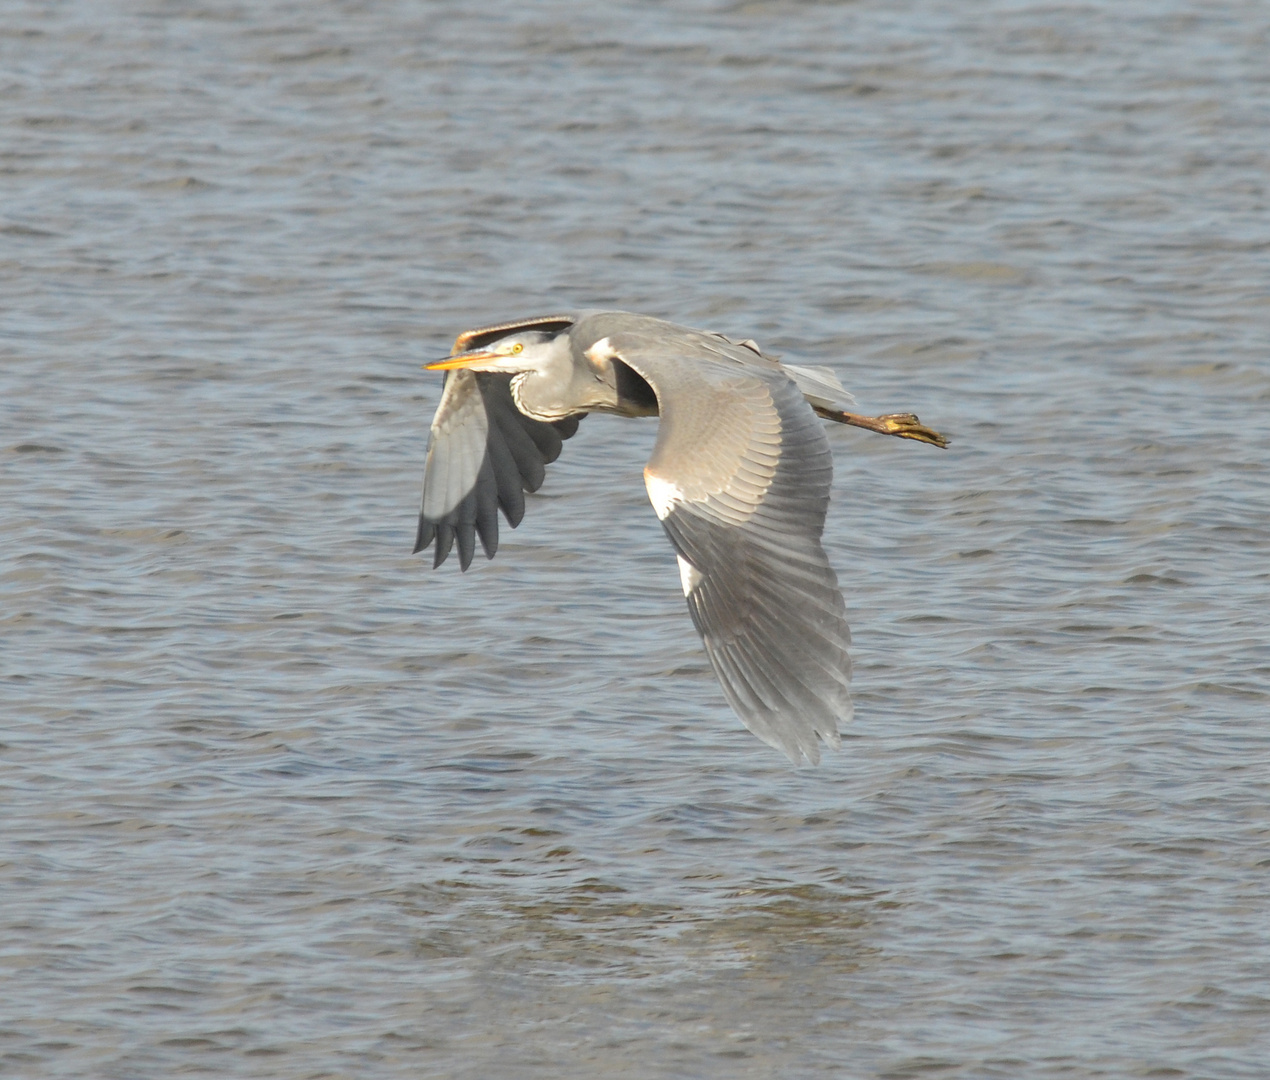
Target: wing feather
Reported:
[(511, 489), (483, 455), (740, 476)]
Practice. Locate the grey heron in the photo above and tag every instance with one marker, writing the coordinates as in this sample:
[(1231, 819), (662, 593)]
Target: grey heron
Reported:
[(739, 477)]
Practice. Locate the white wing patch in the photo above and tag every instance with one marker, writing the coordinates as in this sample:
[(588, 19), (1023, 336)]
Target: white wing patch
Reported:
[(689, 575), (601, 351), (663, 494)]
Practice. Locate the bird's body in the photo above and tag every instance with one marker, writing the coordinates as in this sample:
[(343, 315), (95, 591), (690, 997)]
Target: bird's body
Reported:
[(739, 477)]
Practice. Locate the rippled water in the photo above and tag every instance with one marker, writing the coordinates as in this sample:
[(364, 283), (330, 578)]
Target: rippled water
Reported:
[(280, 801)]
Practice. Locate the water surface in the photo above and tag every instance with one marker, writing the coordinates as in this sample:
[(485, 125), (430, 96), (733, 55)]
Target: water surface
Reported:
[(280, 801)]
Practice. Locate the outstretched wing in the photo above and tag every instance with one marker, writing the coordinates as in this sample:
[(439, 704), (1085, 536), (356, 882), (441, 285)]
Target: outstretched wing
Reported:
[(483, 455), (740, 478)]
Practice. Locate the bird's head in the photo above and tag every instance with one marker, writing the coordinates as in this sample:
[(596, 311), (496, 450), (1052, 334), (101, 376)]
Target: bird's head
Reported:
[(528, 350)]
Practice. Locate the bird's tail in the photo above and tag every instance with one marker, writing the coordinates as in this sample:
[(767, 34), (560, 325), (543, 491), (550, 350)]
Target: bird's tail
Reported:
[(819, 385)]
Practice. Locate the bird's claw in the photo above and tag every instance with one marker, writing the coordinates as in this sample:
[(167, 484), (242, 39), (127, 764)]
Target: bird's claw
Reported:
[(907, 426)]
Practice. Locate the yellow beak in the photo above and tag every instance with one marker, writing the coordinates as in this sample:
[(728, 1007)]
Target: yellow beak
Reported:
[(461, 361)]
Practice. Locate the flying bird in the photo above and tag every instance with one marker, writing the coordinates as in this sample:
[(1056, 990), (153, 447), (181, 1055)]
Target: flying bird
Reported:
[(739, 477)]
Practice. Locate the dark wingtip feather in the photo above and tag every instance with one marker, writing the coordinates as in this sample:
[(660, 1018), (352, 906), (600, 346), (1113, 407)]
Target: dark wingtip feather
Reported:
[(545, 437), (445, 540), (533, 473), (487, 508), (467, 544), (423, 535), (487, 529), (568, 427)]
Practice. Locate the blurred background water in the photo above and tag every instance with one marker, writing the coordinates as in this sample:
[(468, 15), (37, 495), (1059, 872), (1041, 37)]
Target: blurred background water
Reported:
[(280, 801)]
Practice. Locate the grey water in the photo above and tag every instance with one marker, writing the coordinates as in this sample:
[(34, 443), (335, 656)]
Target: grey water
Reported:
[(279, 800)]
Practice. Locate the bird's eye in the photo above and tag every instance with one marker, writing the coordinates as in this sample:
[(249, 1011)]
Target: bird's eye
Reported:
[(517, 348)]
